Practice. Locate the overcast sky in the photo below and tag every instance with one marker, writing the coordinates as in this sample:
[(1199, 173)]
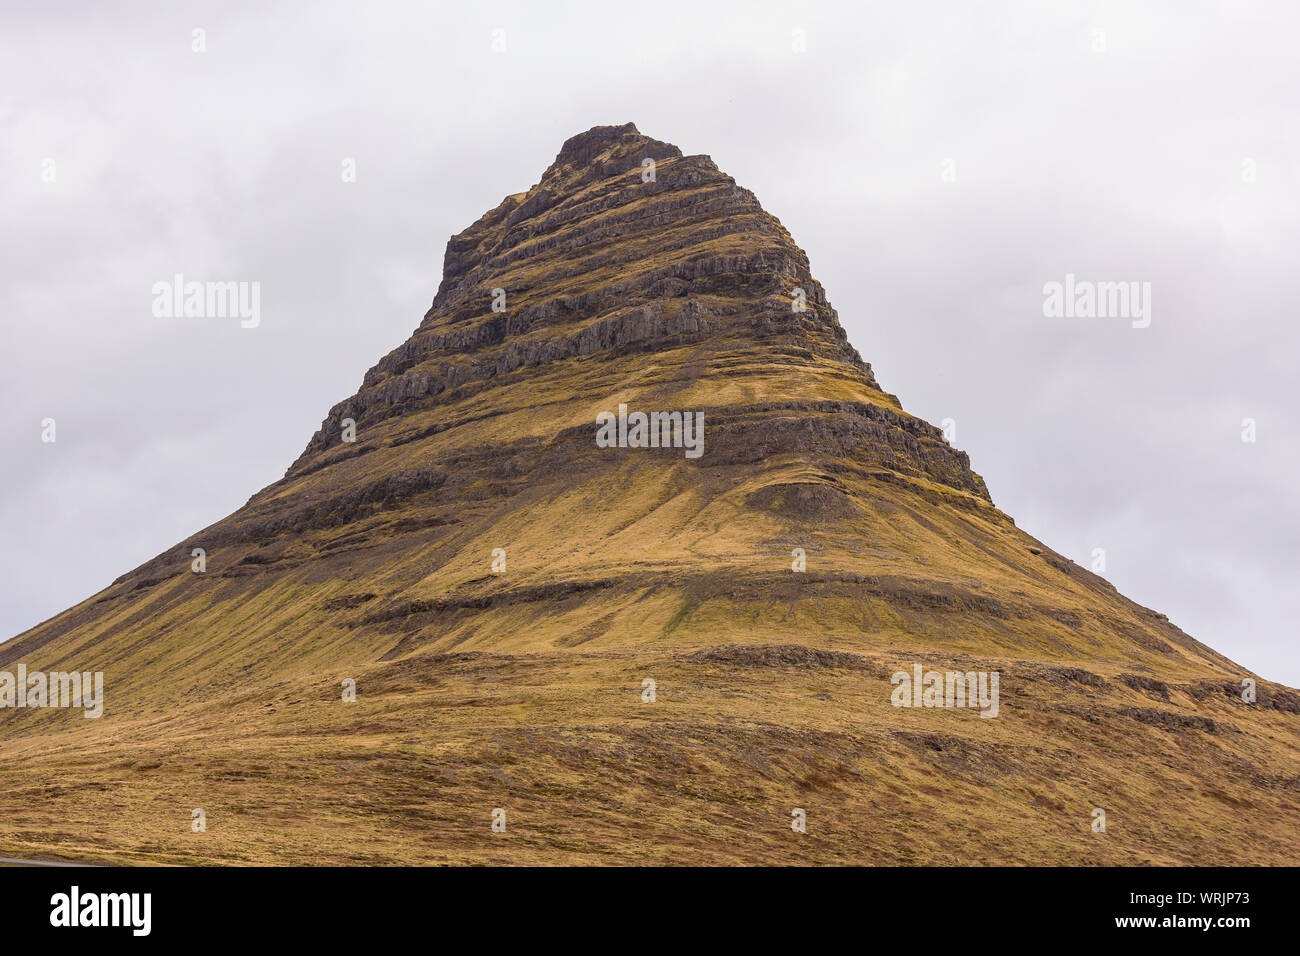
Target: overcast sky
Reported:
[(939, 162)]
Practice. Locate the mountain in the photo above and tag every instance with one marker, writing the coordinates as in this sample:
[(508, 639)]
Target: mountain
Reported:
[(639, 654)]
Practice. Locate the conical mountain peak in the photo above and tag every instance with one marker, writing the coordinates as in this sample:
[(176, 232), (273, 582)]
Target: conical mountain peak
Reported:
[(603, 145), (629, 446), (627, 246)]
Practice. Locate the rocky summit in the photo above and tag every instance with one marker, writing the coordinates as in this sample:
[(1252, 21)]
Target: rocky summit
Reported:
[(626, 557)]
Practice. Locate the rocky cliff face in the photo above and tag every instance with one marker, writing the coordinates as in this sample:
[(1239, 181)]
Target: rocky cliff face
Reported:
[(456, 540), (627, 247)]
